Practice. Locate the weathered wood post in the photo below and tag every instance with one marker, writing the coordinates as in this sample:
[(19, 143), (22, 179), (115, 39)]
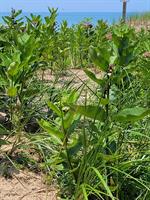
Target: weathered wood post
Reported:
[(124, 10)]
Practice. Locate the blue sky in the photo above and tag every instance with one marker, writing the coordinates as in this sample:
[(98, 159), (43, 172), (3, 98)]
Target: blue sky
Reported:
[(74, 5)]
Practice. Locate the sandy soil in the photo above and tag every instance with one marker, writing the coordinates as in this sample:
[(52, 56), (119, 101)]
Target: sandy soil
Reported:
[(76, 76), (76, 73), (25, 186), (140, 25)]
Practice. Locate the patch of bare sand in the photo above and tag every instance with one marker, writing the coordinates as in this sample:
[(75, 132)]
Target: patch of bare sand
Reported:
[(140, 24), (26, 186), (77, 76)]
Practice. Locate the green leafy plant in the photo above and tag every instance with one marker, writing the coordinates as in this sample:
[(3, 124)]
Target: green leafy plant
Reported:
[(94, 138), (96, 166)]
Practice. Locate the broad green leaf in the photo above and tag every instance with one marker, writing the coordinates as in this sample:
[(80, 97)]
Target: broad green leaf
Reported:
[(53, 107), (70, 98), (68, 119), (6, 60), (73, 97), (92, 76), (13, 69), (132, 114), (23, 38), (75, 145), (16, 56), (104, 101), (55, 163), (93, 112), (99, 59), (114, 56), (71, 125), (54, 133), (12, 91)]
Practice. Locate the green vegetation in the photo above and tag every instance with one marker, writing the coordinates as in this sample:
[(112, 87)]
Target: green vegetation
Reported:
[(142, 19), (143, 16), (91, 138)]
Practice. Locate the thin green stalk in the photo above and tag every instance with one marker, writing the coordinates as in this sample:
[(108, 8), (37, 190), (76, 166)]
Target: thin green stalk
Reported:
[(65, 144)]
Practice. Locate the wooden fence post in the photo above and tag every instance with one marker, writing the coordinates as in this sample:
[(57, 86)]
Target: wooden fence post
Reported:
[(124, 10)]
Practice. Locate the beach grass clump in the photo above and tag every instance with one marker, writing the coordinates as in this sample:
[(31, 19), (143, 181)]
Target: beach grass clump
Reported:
[(142, 16), (142, 20)]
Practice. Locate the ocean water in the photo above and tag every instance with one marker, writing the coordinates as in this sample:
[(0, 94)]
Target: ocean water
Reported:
[(76, 17)]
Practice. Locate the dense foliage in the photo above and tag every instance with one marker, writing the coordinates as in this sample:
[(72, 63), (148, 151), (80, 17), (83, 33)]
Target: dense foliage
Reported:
[(93, 139)]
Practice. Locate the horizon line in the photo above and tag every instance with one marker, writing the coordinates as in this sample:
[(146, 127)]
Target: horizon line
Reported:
[(76, 11)]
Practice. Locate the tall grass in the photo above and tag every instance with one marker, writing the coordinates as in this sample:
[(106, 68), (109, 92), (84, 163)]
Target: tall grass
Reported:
[(140, 17), (141, 20)]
